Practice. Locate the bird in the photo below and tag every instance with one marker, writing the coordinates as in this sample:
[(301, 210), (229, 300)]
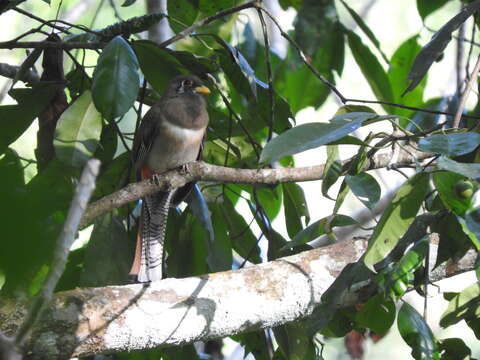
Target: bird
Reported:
[(170, 135)]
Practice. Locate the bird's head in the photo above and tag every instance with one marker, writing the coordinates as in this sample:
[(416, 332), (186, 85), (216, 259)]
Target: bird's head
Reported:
[(187, 84)]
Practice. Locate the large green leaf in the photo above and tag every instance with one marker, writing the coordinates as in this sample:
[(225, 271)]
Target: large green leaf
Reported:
[(396, 218), (115, 80), (294, 342), (426, 7), (400, 64), (332, 170), (415, 331), (182, 13), (371, 69), (453, 242), (312, 135), (378, 314), (78, 131), (157, 64), (434, 49), (15, 119), (464, 306), (365, 188), (455, 144)]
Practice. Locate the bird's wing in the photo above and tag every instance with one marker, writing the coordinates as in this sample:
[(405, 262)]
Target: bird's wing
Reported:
[(145, 137)]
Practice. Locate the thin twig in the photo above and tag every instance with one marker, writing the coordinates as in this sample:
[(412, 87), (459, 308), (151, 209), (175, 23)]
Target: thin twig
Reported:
[(463, 100), (79, 203)]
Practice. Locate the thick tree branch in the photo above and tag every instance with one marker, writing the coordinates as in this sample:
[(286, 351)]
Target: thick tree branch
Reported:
[(10, 71), (200, 171), (170, 312)]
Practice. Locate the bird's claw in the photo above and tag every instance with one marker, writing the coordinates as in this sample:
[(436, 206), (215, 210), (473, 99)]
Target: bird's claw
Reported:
[(156, 179), (184, 169)]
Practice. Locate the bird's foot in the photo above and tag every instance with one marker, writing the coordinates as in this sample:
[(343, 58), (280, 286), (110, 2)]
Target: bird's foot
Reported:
[(185, 169), (156, 179)]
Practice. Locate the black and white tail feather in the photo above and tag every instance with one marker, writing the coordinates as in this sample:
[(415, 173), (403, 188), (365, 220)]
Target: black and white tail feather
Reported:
[(155, 209)]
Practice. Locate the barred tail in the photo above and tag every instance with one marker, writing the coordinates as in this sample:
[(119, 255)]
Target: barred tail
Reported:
[(153, 226)]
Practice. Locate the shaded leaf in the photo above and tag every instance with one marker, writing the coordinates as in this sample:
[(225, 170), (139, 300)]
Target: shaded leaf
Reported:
[(333, 169), (454, 349), (454, 144), (208, 7), (396, 218), (378, 314), (78, 131), (294, 342), (115, 80), (433, 50), (295, 206), (182, 13), (453, 242), (365, 188), (151, 58), (464, 306), (426, 7), (471, 171), (109, 254), (15, 119), (416, 333), (255, 343)]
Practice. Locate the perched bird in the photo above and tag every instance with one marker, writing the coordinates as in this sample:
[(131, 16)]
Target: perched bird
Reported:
[(170, 135)]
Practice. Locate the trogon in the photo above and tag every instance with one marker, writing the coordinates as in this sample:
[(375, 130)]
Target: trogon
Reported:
[(170, 135)]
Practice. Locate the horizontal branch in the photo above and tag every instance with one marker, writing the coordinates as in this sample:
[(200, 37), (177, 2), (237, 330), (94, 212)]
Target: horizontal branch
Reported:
[(51, 44), (171, 312), (200, 171), (10, 71)]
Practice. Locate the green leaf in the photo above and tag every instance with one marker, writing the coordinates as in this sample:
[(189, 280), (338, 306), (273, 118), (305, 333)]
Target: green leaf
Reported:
[(400, 64), (464, 306), (416, 333), (78, 131), (108, 143), (371, 69), (378, 314), (109, 254), (453, 242), (469, 170), (295, 206), (115, 80), (454, 349), (319, 228), (128, 3), (151, 59), (15, 119), (333, 169), (445, 183), (182, 13), (254, 343), (472, 223), (365, 188), (208, 7), (285, 4), (434, 49), (366, 30), (294, 342), (455, 144), (426, 7), (396, 218), (313, 135)]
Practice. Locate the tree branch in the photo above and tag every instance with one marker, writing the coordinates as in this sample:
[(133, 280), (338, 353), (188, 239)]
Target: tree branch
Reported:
[(10, 71), (200, 171), (171, 312)]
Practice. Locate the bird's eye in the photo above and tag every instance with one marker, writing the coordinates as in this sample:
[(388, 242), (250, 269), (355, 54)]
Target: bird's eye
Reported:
[(187, 83)]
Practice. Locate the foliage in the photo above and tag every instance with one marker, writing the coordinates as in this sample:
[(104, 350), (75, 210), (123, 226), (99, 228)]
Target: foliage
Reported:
[(252, 125)]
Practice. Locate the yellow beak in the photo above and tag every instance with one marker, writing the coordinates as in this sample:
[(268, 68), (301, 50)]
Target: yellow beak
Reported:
[(202, 89)]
